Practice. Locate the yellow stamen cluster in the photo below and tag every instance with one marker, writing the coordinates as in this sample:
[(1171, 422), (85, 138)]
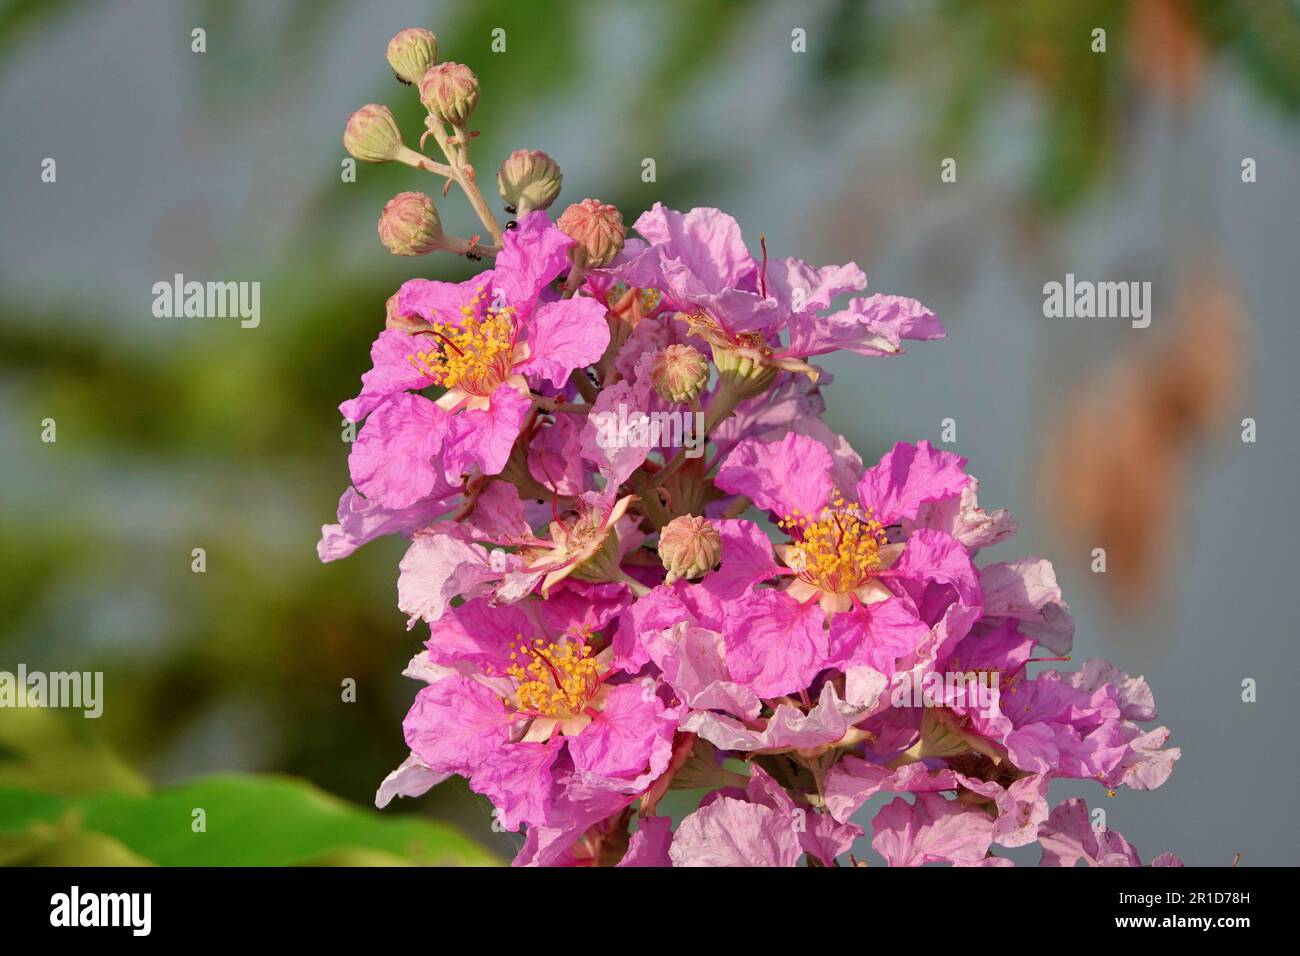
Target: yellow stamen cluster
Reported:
[(554, 679), (475, 355), (836, 550)]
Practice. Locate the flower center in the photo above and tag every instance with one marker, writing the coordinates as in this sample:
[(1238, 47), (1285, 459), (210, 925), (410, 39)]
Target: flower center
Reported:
[(837, 550), (475, 356), (555, 679)]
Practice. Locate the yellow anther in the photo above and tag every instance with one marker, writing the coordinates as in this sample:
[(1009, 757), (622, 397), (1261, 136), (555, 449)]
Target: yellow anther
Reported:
[(836, 551)]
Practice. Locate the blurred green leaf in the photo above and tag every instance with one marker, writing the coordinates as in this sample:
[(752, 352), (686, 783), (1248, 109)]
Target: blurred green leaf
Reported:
[(250, 821), (42, 752)]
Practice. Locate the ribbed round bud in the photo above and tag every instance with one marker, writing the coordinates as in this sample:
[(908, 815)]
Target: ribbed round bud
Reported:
[(599, 229), (450, 92), (688, 547), (411, 53), (409, 225), (529, 179), (679, 373), (372, 135)]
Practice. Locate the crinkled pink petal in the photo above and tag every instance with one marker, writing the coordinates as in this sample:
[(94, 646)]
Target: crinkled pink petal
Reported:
[(412, 778), (1068, 836), (575, 805), (931, 830), (391, 372), (792, 474), (693, 661), (1132, 693), (964, 519), (454, 724), (602, 444), (555, 456), (820, 835), (1022, 807), (789, 728), (622, 736), (877, 635), (775, 645), (395, 461), (532, 254), (707, 241), (1145, 764), (731, 832), (800, 287), (563, 336), (498, 514), (909, 476), (747, 559), (482, 438), (1026, 590), (875, 325), (649, 845), (516, 777), (362, 520), (445, 302), (436, 568), (479, 633), (853, 781)]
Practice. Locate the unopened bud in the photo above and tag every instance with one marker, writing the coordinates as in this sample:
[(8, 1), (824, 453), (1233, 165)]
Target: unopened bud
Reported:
[(679, 373), (372, 135), (688, 547), (598, 228), (411, 53), (529, 179), (409, 225), (450, 92)]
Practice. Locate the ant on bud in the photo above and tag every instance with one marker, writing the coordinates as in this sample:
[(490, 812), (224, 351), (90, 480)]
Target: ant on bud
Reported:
[(511, 209)]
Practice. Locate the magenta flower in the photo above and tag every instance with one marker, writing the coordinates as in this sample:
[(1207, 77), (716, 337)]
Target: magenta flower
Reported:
[(617, 610), (700, 262), (487, 343), (511, 694)]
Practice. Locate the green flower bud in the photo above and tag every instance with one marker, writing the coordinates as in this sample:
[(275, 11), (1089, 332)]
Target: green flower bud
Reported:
[(411, 53), (372, 135), (450, 92), (689, 547), (679, 373), (409, 225), (529, 179)]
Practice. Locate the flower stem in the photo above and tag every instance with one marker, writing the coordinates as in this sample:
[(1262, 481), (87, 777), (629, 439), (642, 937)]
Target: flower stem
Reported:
[(463, 173)]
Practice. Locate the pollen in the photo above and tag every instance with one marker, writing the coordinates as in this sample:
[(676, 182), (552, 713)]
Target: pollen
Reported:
[(558, 678), (837, 550), (476, 354)]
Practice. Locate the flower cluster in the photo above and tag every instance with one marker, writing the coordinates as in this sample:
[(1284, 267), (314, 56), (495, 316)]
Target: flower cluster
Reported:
[(770, 622)]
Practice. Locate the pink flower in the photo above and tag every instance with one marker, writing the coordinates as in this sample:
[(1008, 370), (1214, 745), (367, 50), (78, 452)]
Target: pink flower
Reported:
[(933, 829), (701, 263), (1069, 836), (486, 342), (509, 697)]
